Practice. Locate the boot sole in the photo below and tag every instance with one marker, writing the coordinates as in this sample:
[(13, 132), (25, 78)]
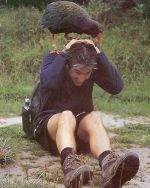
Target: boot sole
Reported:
[(125, 171), (81, 177)]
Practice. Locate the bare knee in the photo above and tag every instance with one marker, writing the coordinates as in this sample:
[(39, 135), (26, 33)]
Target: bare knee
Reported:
[(92, 121), (67, 115), (95, 117), (67, 119)]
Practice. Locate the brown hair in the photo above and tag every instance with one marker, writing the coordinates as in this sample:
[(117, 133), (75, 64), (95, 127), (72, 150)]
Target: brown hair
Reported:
[(81, 54)]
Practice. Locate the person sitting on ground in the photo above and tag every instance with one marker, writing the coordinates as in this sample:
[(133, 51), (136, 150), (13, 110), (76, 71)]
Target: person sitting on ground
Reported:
[(67, 123)]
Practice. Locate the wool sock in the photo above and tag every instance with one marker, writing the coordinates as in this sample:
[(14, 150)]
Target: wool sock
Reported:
[(102, 156), (64, 153)]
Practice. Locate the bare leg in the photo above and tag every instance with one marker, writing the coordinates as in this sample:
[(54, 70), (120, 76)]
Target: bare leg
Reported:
[(61, 128), (91, 128), (52, 40), (116, 170)]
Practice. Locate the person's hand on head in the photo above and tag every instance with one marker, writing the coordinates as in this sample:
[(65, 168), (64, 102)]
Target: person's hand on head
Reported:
[(73, 41), (69, 44), (88, 41)]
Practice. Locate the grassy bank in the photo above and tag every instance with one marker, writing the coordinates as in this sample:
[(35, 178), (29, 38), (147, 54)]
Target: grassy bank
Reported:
[(22, 45), (133, 100)]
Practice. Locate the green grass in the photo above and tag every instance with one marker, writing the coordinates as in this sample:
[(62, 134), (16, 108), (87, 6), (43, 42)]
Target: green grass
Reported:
[(16, 140), (129, 134), (6, 153), (133, 100), (12, 96), (22, 45), (132, 134)]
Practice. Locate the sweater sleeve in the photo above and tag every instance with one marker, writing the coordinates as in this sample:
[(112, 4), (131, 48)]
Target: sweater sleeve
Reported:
[(106, 76), (51, 72)]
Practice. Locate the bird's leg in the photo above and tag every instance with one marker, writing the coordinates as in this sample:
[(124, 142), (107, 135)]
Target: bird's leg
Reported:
[(97, 40), (67, 36), (53, 43)]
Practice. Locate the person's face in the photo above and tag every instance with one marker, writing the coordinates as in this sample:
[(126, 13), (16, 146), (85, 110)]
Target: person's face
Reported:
[(79, 75)]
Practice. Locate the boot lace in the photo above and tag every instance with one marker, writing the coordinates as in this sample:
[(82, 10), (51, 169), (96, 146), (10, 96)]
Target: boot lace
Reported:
[(109, 159), (73, 161)]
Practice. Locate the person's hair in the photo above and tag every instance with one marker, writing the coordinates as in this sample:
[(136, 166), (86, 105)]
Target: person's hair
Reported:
[(80, 55)]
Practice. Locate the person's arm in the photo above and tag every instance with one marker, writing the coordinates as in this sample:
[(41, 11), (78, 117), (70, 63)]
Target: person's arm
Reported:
[(106, 76), (52, 68)]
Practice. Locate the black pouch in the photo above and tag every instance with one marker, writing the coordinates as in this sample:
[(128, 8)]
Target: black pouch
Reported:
[(29, 111)]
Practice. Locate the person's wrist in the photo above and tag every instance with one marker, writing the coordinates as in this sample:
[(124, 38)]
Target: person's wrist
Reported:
[(90, 42), (67, 47), (97, 50), (62, 53), (64, 50)]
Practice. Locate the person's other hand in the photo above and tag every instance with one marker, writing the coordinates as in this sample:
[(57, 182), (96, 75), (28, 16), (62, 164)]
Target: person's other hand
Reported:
[(88, 41), (73, 41), (69, 44)]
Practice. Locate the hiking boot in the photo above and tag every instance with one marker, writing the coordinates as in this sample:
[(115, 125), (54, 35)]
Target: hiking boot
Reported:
[(116, 170), (76, 172)]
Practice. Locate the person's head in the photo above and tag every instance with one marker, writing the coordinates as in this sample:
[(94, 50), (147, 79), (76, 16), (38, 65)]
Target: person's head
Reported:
[(81, 60)]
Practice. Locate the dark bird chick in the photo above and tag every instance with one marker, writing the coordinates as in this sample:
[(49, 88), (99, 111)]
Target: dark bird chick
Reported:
[(67, 17)]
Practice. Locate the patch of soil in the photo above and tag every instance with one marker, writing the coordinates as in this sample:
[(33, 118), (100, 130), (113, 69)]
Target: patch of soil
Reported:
[(47, 167)]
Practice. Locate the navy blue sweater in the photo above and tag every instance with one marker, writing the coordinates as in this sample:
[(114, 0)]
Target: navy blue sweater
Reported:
[(58, 93)]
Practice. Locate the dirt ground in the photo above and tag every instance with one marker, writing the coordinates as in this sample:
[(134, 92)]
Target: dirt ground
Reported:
[(28, 166)]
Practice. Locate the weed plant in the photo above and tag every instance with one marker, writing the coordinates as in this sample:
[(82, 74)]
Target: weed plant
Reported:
[(6, 152), (46, 174)]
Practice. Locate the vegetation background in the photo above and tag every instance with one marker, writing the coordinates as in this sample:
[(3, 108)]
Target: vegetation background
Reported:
[(126, 42), (22, 45)]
